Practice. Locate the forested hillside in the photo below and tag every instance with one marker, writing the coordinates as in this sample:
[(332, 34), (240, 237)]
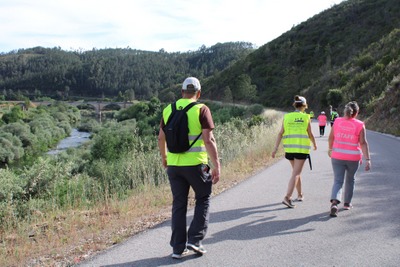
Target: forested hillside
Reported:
[(349, 52), (131, 73)]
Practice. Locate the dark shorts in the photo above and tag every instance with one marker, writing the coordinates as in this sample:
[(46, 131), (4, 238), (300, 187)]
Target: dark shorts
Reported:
[(292, 156)]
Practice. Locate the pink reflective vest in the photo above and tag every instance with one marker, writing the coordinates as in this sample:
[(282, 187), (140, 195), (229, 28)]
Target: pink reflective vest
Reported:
[(346, 143), (322, 120)]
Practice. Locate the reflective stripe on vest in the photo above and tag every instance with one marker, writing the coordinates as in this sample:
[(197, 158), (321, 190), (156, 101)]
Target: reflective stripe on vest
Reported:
[(347, 151), (297, 146), (197, 149), (295, 136), (193, 137), (345, 143), (346, 139), (197, 154)]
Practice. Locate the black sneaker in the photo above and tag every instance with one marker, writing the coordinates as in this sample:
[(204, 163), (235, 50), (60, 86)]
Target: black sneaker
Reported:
[(288, 202), (198, 248), (334, 210), (180, 255)]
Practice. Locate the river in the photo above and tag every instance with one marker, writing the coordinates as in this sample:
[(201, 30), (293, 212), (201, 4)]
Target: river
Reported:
[(76, 139)]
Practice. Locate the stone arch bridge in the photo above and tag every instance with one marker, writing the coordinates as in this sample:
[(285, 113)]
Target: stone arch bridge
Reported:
[(96, 105)]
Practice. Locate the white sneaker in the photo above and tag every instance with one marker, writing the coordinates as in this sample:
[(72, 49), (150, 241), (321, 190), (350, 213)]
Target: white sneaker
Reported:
[(180, 256), (199, 249), (288, 202)]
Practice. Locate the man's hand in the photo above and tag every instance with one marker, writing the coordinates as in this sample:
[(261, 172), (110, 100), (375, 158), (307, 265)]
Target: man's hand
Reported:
[(215, 175), (164, 162)]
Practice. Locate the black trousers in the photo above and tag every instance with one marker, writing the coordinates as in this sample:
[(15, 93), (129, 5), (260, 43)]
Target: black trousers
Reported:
[(322, 130), (181, 179)]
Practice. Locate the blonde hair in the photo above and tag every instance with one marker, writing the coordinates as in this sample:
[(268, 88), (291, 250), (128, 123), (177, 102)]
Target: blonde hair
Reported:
[(351, 109)]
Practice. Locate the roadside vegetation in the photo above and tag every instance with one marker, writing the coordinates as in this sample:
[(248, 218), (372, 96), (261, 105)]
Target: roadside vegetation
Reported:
[(26, 131), (60, 209), (57, 210)]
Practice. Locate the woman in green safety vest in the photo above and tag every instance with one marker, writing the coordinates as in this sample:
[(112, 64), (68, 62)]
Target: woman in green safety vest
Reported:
[(297, 137)]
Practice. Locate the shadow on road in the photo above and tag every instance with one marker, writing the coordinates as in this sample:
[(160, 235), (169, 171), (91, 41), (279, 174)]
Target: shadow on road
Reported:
[(256, 228), (376, 194), (261, 227), (160, 261)]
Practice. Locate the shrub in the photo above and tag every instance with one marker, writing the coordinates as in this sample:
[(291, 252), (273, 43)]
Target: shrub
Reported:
[(89, 125), (111, 142), (112, 106), (86, 106), (14, 115), (22, 131), (364, 62), (256, 120), (10, 148), (12, 194), (11, 186), (256, 109), (66, 127), (139, 111)]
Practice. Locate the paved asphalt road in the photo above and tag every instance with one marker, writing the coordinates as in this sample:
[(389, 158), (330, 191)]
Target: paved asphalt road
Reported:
[(250, 227)]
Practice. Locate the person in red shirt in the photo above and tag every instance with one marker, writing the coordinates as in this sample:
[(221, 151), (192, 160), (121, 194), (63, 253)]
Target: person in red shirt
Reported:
[(322, 120)]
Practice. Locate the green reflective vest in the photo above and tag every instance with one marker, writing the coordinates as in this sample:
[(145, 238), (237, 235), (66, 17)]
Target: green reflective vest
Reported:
[(295, 136), (334, 115), (197, 154)]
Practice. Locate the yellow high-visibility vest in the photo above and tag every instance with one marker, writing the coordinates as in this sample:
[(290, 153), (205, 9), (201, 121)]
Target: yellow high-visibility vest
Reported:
[(197, 154), (295, 136)]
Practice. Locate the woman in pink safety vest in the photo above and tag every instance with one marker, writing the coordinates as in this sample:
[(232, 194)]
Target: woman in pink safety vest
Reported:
[(347, 143), (322, 119)]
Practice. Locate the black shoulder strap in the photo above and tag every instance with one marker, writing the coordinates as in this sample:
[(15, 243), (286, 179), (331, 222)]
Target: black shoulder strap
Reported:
[(190, 106), (173, 107), (186, 109)]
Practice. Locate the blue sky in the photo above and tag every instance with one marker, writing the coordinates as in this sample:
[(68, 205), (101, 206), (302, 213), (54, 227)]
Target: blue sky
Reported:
[(172, 25)]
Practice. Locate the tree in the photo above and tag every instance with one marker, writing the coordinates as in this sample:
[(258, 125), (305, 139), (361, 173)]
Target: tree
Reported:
[(15, 115), (129, 95), (227, 95), (120, 97), (243, 89), (334, 97)]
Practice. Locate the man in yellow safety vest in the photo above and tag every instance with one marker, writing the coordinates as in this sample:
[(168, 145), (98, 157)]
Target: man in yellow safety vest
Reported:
[(190, 169)]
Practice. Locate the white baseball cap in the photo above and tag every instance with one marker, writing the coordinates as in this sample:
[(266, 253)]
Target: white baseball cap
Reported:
[(301, 100), (191, 84)]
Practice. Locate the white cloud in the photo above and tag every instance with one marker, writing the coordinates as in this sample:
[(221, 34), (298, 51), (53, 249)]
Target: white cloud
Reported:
[(175, 25)]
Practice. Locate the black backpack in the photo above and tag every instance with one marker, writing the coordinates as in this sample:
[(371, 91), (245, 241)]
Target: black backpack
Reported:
[(177, 130)]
